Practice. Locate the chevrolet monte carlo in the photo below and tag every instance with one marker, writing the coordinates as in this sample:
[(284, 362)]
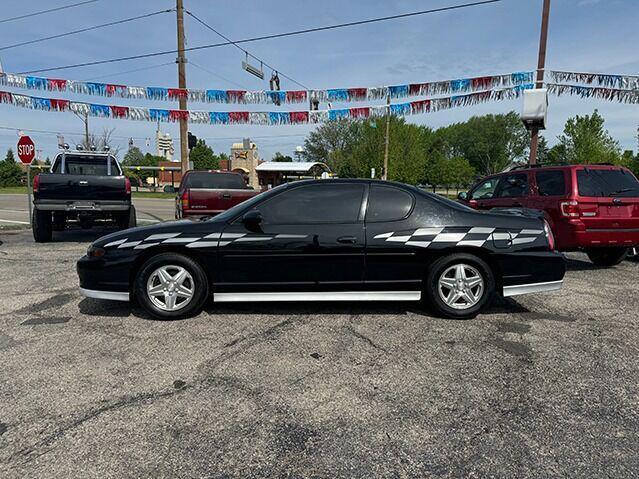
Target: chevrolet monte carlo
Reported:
[(327, 240)]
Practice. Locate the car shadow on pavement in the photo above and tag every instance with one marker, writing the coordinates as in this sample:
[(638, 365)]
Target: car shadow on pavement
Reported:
[(114, 309), (573, 264), (78, 235)]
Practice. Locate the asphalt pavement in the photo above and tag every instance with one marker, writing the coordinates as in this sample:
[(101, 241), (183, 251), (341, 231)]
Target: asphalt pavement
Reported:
[(14, 209), (541, 386)]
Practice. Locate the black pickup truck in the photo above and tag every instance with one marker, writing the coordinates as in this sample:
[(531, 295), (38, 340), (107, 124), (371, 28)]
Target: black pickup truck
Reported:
[(82, 187)]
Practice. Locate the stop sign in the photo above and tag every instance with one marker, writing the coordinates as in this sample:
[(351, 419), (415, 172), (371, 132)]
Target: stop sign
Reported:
[(26, 149)]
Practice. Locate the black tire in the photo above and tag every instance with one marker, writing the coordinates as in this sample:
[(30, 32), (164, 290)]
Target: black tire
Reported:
[(128, 219), (59, 221), (200, 286), (607, 257), (439, 267), (42, 226)]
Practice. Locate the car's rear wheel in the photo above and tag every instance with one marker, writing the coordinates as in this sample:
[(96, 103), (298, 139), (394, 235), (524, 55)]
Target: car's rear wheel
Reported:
[(171, 286), (607, 257), (42, 226), (459, 285)]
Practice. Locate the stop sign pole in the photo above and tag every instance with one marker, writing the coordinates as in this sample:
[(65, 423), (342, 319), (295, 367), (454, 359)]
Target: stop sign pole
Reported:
[(26, 153)]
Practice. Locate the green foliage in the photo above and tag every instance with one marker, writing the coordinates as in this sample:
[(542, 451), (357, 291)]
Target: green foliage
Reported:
[(586, 141), (134, 157), (10, 172), (332, 142), (282, 158), (203, 157)]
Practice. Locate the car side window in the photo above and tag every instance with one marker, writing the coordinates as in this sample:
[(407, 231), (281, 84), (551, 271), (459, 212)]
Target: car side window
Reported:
[(386, 203), (318, 203), (551, 182), (512, 186), (485, 190)]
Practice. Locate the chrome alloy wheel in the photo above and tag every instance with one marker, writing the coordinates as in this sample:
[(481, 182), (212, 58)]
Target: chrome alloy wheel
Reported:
[(170, 287), (461, 286)]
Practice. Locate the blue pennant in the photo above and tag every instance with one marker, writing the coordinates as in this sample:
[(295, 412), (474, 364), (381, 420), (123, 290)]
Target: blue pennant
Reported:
[(337, 94), (96, 88), (278, 97), (398, 91), (36, 83), (336, 114), (161, 115), (41, 103), (100, 110), (278, 117), (157, 93), (400, 109), (216, 96), (460, 85), (219, 117)]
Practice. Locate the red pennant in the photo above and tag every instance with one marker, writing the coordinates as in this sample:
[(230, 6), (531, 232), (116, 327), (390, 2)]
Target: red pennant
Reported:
[(5, 97), (481, 83), (112, 90), (54, 84), (363, 112), (420, 106), (299, 116), (178, 93), (59, 104), (295, 96), (416, 88), (236, 96), (119, 111), (177, 115), (357, 93), (238, 116)]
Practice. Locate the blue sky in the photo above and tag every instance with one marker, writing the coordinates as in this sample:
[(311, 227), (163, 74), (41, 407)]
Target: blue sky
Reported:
[(585, 35)]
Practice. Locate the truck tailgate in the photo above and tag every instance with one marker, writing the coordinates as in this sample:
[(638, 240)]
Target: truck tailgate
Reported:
[(81, 188), (210, 200)]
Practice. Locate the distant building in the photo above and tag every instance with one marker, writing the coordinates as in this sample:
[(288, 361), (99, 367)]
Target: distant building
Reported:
[(245, 159), (274, 173), (164, 144)]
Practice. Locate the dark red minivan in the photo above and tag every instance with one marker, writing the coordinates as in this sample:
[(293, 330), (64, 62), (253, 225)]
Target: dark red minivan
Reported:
[(594, 208), (206, 193)]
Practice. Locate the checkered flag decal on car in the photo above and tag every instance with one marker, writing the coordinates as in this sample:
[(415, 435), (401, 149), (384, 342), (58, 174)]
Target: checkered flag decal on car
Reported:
[(476, 236), (209, 241)]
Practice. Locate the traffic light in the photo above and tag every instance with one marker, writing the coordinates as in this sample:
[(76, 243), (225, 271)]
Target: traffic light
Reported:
[(192, 140)]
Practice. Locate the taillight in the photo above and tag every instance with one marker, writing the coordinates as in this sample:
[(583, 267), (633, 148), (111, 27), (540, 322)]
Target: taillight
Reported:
[(36, 183), (127, 186), (549, 236), (573, 209), (185, 199)]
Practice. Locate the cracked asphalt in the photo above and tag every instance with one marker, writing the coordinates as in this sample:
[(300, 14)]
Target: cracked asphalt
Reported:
[(544, 386)]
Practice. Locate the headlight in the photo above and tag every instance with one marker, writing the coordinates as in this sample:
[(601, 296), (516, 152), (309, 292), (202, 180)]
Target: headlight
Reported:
[(95, 252)]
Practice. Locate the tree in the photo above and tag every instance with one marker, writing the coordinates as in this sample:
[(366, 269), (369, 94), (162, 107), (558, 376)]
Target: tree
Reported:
[(586, 141), (134, 158), (490, 143), (10, 172), (203, 157), (101, 141), (332, 142), (281, 158)]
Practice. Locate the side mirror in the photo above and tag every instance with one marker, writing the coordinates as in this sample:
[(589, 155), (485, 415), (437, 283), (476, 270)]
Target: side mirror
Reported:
[(462, 196), (169, 189), (252, 220)]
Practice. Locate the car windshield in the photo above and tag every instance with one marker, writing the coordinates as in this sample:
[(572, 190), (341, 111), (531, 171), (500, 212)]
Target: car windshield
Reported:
[(215, 180), (246, 205), (596, 182)]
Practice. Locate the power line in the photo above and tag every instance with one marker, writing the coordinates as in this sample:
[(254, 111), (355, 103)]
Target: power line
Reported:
[(202, 22), (41, 12), (266, 37), (130, 71), (216, 75), (82, 30)]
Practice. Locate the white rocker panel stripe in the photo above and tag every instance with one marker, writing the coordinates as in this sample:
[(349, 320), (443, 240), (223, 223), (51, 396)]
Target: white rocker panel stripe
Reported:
[(532, 288), (111, 295), (319, 296)]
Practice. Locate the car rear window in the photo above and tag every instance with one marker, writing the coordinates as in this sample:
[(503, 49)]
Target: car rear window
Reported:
[(551, 182), (86, 165), (205, 179), (596, 182), (386, 203)]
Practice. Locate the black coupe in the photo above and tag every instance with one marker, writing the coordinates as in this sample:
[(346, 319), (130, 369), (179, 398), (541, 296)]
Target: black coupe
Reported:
[(327, 240)]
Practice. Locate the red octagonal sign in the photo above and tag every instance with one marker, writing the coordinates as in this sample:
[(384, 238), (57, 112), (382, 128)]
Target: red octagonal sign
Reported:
[(26, 149)]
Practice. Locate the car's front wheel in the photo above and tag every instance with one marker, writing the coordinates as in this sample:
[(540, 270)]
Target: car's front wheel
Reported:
[(606, 257), (459, 285), (171, 286)]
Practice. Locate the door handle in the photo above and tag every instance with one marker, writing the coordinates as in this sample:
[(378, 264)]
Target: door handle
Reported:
[(347, 240), (226, 196)]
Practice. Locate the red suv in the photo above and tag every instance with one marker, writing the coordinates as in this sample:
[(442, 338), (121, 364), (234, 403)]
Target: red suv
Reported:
[(594, 208)]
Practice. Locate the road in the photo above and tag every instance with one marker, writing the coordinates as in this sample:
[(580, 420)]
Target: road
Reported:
[(545, 386), (14, 209)]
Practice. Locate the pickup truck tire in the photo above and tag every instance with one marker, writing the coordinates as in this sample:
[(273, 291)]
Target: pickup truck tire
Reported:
[(128, 219), (157, 305), (607, 257), (42, 226)]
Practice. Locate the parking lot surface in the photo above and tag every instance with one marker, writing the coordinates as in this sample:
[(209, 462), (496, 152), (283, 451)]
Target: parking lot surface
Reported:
[(544, 386)]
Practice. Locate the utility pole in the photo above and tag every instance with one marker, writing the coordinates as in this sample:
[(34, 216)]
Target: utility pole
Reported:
[(181, 62), (541, 66), (85, 120), (387, 139)]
